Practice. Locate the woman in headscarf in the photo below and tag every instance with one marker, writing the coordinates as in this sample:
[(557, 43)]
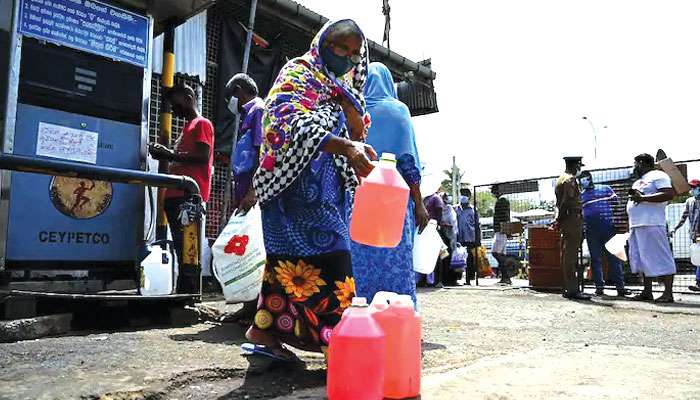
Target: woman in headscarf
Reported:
[(311, 158), (379, 269)]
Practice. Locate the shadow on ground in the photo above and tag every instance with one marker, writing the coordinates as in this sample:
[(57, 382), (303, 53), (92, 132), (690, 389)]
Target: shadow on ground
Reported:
[(265, 380), (221, 333)]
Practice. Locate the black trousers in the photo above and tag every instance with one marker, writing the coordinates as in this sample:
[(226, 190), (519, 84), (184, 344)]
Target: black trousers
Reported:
[(444, 272), (172, 211), (471, 264)]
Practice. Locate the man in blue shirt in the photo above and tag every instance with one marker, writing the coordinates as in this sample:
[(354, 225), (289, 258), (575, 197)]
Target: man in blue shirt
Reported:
[(242, 97), (468, 231), (597, 202)]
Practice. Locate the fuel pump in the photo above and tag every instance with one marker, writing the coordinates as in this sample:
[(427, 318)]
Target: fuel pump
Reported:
[(78, 91)]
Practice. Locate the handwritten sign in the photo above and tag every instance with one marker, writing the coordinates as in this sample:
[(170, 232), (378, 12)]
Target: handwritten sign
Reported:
[(89, 26), (66, 143)]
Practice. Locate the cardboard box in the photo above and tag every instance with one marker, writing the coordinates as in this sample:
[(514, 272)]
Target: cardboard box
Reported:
[(679, 182)]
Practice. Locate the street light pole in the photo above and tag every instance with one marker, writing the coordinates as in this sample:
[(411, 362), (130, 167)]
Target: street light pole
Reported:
[(595, 136)]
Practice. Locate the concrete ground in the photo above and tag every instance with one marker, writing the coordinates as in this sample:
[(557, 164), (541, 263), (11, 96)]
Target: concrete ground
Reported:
[(479, 343)]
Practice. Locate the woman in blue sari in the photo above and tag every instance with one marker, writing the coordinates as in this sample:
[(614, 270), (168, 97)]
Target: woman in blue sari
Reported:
[(380, 269)]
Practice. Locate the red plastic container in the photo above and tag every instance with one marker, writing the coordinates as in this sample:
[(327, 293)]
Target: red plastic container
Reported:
[(402, 326), (380, 206), (356, 356)]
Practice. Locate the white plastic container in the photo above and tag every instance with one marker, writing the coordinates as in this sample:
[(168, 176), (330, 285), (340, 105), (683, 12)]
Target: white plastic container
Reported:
[(157, 273), (426, 249), (616, 245), (695, 254)]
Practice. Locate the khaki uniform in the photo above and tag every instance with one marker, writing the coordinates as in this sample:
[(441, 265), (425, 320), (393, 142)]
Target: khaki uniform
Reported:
[(571, 227)]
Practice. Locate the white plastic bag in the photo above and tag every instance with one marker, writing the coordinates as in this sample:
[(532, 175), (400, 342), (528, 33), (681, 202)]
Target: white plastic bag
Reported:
[(239, 257), (426, 249), (616, 245)]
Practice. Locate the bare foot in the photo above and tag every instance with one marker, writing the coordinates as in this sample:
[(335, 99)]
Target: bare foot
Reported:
[(263, 338)]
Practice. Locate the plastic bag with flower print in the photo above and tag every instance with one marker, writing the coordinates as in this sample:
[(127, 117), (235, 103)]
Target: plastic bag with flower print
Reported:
[(239, 257)]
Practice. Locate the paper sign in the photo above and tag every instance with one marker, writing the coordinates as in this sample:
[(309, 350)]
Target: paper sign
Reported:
[(66, 143)]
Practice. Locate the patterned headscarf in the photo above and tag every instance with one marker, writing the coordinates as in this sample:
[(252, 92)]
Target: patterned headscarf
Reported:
[(300, 112)]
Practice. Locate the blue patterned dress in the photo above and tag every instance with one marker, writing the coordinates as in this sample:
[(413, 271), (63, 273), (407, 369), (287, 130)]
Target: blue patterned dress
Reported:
[(308, 275), (311, 216), (379, 269)]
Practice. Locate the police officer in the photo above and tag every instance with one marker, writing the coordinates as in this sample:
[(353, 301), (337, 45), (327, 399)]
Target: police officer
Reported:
[(570, 223)]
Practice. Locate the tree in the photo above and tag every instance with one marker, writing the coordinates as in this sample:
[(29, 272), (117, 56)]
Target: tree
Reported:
[(446, 185), (485, 202)]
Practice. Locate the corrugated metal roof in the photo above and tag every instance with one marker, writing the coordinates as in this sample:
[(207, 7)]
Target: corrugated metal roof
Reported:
[(164, 11), (190, 48)]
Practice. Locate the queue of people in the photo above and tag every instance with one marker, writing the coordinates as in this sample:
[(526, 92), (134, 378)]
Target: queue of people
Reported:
[(458, 225)]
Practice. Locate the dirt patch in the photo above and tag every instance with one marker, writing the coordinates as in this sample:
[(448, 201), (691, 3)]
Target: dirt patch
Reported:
[(274, 380)]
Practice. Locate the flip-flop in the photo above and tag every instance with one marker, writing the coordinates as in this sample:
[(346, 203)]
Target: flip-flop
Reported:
[(251, 348)]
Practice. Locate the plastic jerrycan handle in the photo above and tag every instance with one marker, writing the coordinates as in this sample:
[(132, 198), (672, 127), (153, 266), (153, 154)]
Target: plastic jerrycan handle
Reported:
[(382, 300), (384, 158), (404, 299)]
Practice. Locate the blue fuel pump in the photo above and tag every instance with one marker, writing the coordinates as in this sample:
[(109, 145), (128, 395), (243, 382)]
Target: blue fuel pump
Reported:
[(82, 95)]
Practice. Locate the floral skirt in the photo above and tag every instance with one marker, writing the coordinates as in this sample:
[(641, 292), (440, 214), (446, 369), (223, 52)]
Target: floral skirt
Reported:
[(303, 298)]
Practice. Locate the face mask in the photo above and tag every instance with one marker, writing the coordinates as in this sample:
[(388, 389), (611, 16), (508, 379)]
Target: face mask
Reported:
[(233, 105), (335, 63), (585, 182), (695, 192)]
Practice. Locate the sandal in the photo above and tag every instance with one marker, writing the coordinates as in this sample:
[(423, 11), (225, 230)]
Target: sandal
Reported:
[(643, 297), (271, 352)]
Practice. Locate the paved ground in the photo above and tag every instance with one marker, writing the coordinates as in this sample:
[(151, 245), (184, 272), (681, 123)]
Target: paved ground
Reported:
[(482, 343)]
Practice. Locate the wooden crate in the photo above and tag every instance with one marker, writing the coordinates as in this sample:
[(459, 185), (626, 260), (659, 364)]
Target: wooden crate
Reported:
[(544, 257), (547, 278), (543, 238)]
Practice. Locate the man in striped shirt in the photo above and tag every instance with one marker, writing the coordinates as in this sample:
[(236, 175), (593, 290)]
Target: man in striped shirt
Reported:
[(597, 202), (692, 216)]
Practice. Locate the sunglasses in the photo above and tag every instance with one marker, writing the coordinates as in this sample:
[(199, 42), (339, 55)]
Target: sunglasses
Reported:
[(354, 58)]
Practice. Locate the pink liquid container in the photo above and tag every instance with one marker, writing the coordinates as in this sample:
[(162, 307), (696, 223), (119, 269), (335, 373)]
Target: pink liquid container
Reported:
[(402, 326), (356, 356), (380, 206)]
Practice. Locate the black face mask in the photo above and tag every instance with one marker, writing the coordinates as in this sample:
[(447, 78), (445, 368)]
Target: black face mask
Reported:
[(339, 65)]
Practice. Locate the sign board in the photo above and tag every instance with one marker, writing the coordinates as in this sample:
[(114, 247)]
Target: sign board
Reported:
[(87, 25), (518, 187)]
